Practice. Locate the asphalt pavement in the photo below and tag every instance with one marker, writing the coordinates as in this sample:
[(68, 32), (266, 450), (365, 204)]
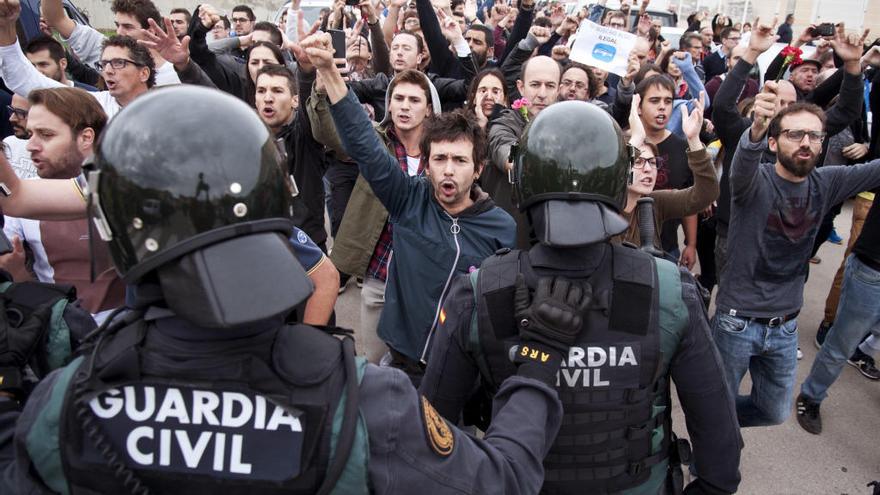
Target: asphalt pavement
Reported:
[(785, 459)]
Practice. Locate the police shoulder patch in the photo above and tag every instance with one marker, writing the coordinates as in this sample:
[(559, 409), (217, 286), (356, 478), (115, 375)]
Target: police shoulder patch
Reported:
[(440, 436)]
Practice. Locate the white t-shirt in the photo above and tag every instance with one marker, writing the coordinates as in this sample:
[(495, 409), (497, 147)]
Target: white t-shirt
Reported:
[(19, 157), (412, 166)]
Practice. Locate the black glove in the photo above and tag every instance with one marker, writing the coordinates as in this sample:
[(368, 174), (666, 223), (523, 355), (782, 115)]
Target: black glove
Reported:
[(553, 315), (18, 344), (548, 325)]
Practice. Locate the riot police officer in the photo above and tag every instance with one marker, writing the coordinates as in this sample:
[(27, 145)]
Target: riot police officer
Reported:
[(201, 387), (644, 325)]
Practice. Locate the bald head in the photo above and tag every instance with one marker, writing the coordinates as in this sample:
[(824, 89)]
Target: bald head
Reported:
[(539, 83), (735, 56), (641, 48), (786, 92)]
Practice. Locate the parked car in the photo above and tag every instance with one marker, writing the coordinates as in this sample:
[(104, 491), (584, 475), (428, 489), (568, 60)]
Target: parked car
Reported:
[(29, 21)]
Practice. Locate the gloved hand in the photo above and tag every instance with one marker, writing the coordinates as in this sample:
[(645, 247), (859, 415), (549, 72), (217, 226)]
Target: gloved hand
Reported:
[(548, 324), (553, 315), (18, 344)]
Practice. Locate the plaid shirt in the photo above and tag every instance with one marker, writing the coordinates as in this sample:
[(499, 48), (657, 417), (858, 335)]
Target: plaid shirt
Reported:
[(378, 267)]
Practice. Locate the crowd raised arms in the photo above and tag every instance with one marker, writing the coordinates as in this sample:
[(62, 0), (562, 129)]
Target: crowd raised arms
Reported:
[(507, 183)]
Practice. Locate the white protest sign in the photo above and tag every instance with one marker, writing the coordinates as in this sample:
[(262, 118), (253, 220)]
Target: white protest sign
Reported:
[(603, 47)]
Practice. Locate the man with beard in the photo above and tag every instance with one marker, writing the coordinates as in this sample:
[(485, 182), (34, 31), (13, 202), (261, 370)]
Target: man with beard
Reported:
[(14, 146), (441, 223), (48, 56), (776, 210), (64, 125)]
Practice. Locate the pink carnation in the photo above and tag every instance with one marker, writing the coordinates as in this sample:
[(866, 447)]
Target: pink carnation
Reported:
[(520, 103)]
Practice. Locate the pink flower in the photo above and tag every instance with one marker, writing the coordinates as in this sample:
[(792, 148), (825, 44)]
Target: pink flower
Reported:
[(520, 103)]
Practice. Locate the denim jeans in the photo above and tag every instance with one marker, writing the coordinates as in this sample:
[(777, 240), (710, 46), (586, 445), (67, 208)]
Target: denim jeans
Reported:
[(769, 354), (857, 314)]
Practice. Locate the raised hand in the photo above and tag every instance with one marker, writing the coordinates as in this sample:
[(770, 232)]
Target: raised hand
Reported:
[(806, 36), (632, 68), (166, 43), (765, 107), (763, 36), (368, 11), (692, 122), (10, 10), (872, 56), (208, 15), (848, 46), (636, 127), (542, 34), (449, 27), (318, 49)]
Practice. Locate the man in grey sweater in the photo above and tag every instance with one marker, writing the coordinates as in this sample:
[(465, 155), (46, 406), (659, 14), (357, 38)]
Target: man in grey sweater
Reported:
[(776, 210)]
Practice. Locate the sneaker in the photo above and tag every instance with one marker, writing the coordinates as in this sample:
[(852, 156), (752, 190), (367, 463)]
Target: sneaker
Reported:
[(800, 354), (821, 333), (865, 364), (808, 415), (834, 238)]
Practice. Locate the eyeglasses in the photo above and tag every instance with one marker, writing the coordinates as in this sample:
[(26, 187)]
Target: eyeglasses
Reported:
[(640, 163), (797, 135), (18, 112), (578, 85), (240, 20), (117, 63)]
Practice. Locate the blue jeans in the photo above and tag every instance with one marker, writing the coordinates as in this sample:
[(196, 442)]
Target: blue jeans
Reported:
[(770, 355), (857, 314)]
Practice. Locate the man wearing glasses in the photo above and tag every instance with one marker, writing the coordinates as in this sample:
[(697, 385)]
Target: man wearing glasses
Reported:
[(15, 145), (716, 63), (243, 20), (776, 211)]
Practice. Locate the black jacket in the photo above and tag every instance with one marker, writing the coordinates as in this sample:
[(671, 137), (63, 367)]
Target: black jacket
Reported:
[(714, 65), (307, 163)]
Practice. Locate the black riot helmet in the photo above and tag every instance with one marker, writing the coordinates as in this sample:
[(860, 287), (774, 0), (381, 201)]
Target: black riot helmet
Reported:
[(187, 182), (571, 173)]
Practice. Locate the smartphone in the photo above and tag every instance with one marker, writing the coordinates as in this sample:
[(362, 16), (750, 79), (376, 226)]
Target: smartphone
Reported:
[(338, 38), (824, 29), (5, 245)]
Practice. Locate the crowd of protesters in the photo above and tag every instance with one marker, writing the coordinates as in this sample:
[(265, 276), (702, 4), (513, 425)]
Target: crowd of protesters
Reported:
[(753, 165)]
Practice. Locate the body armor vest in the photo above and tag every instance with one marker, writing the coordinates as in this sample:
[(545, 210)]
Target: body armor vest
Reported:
[(610, 381), (233, 423)]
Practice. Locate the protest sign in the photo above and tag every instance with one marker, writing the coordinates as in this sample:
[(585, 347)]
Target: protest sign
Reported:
[(603, 47)]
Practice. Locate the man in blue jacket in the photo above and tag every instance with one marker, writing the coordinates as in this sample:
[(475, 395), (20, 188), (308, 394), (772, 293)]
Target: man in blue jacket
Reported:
[(443, 224)]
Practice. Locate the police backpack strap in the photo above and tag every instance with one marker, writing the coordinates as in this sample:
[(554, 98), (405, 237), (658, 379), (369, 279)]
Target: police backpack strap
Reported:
[(345, 440), (633, 288), (495, 286)]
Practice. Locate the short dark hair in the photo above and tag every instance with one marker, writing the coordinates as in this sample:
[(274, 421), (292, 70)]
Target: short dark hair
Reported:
[(412, 76), (725, 33), (420, 45), (267, 44), (775, 128), (455, 3), (615, 13), (247, 10), (490, 36), (142, 10), (643, 72), (475, 83), (186, 13), (661, 81), (272, 29), (75, 107), (684, 43), (139, 54), (543, 22), (591, 79), (225, 20), (281, 71), (44, 42), (452, 126)]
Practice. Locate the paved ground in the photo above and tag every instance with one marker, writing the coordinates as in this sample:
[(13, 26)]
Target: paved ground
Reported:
[(785, 459)]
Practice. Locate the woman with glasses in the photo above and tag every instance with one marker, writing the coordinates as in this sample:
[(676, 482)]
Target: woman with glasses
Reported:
[(671, 203)]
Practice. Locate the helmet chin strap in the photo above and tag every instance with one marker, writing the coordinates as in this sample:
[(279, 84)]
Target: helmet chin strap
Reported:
[(552, 222)]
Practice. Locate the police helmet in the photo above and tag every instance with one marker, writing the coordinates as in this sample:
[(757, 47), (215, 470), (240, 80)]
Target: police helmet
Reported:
[(571, 174), (179, 175)]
